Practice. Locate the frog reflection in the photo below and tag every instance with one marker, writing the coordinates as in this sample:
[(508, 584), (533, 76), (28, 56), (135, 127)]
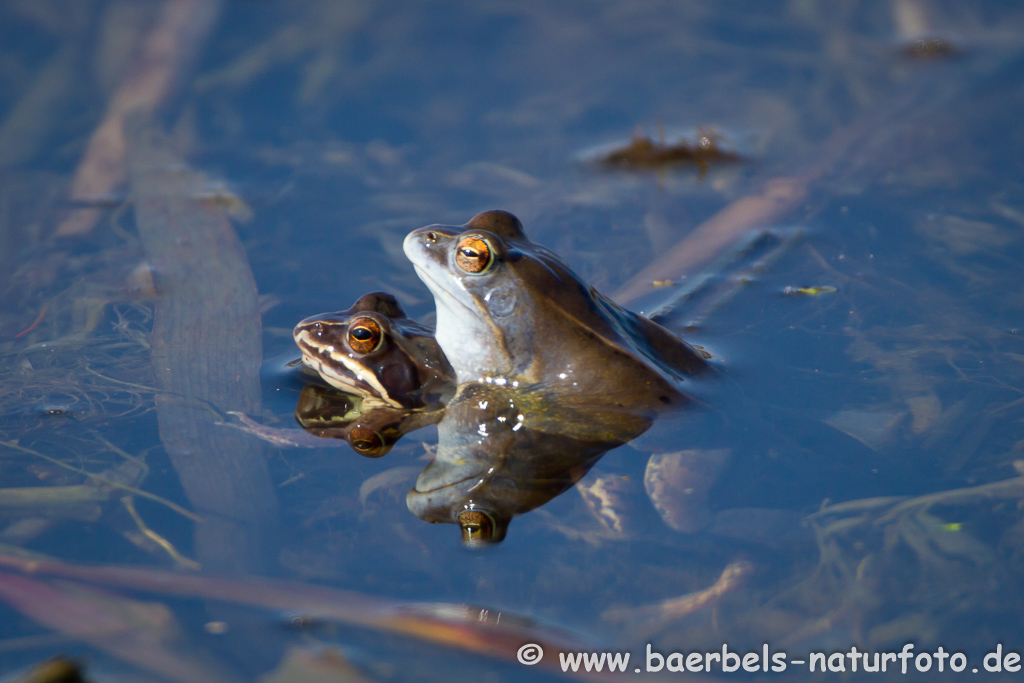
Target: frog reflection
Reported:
[(505, 450), (368, 426), (371, 429)]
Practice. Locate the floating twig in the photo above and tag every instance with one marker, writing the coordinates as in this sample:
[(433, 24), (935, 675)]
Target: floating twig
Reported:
[(34, 325)]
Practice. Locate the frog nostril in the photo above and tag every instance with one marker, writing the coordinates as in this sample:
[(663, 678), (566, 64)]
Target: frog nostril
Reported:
[(431, 236)]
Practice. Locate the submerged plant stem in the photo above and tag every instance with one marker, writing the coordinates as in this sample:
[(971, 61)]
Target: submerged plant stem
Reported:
[(157, 538), (95, 477)]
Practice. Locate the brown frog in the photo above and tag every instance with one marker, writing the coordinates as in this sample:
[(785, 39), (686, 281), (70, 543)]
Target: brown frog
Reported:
[(511, 312), (575, 373), (374, 350)]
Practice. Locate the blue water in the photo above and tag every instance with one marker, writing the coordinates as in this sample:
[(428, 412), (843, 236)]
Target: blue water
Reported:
[(343, 127)]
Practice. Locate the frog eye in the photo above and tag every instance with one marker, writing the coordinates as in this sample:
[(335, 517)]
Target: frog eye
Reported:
[(364, 335), (473, 254), (366, 442)]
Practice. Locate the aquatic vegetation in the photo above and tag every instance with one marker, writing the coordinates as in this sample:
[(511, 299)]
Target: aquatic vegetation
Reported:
[(643, 153), (879, 402)]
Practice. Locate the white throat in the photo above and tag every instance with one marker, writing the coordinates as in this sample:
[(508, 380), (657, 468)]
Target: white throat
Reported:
[(466, 340)]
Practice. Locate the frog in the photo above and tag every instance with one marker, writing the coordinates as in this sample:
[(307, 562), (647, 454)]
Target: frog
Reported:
[(374, 350), (387, 377), (581, 372), (511, 312)]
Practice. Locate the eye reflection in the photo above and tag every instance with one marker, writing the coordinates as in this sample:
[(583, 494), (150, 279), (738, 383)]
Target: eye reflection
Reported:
[(366, 442), (477, 527)]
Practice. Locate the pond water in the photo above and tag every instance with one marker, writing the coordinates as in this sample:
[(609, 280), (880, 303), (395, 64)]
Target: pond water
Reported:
[(857, 460)]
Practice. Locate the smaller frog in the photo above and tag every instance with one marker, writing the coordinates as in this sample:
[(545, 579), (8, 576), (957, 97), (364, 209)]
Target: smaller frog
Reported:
[(375, 351)]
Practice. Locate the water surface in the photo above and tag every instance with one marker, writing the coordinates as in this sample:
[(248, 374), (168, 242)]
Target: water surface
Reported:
[(341, 127)]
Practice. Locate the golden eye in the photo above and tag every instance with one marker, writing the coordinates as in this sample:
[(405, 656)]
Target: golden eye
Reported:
[(364, 335), (473, 255), (366, 442)]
